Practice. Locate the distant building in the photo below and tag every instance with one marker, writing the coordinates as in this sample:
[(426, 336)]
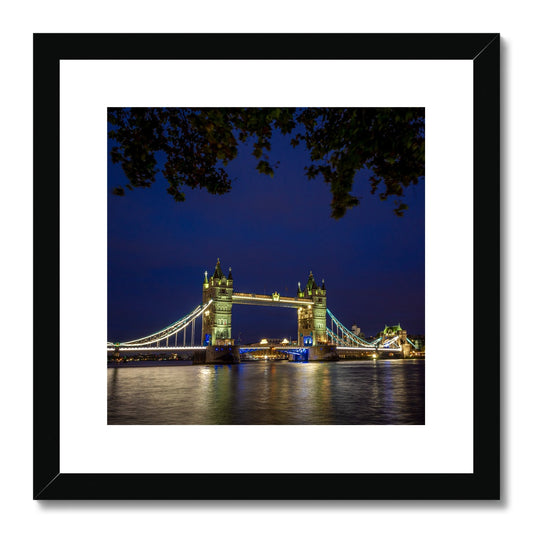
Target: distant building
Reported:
[(274, 342), (356, 330), (270, 341)]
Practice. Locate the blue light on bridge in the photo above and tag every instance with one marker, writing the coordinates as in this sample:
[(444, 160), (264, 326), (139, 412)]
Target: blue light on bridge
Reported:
[(207, 339), (300, 356), (308, 340)]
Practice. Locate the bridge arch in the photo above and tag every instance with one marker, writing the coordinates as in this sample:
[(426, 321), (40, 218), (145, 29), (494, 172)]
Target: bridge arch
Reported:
[(310, 302)]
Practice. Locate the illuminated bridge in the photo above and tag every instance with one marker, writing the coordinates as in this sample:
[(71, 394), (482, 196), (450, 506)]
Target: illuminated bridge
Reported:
[(316, 340)]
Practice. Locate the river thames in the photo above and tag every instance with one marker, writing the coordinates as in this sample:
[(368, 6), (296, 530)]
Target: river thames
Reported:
[(343, 392)]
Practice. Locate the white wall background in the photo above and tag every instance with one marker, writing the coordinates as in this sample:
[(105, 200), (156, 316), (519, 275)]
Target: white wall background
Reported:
[(444, 88), (20, 20)]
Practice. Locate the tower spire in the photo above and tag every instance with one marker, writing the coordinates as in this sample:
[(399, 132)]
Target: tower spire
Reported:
[(310, 281), (300, 292), (218, 270)]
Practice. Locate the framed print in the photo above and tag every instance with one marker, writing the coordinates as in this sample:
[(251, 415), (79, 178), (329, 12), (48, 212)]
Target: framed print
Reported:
[(192, 191)]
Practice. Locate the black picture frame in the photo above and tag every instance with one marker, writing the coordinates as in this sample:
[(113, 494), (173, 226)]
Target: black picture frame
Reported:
[(483, 50)]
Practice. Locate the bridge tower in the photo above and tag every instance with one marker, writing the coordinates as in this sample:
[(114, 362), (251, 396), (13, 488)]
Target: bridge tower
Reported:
[(216, 321), (390, 332), (312, 319)]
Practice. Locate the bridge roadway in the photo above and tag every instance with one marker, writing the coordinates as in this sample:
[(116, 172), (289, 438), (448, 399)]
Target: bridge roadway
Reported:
[(248, 348), (155, 348)]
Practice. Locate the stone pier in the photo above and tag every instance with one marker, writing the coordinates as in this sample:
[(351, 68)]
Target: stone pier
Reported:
[(317, 353), (218, 355)]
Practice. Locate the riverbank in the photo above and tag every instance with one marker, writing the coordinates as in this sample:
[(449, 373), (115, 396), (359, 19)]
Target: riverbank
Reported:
[(133, 364)]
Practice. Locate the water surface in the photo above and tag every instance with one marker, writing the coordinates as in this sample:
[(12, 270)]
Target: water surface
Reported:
[(343, 392)]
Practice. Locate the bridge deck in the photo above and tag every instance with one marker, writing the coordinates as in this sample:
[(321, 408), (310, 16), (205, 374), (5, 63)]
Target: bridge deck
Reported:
[(155, 348), (247, 348)]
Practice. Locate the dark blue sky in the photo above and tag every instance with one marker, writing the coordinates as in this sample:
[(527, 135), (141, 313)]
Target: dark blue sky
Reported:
[(272, 232)]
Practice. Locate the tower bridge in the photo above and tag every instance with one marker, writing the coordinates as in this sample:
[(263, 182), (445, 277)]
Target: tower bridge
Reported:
[(316, 342)]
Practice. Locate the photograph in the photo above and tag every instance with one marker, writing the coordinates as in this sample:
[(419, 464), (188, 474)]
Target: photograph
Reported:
[(266, 266)]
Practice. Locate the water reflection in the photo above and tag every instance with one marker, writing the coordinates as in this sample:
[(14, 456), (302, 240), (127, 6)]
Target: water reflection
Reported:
[(344, 392)]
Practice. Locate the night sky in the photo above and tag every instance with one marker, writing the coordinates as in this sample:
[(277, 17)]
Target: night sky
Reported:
[(272, 232)]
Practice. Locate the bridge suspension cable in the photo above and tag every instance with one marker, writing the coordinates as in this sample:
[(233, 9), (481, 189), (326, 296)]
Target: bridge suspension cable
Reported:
[(335, 338), (409, 341), (388, 342), (174, 328), (347, 337), (344, 337)]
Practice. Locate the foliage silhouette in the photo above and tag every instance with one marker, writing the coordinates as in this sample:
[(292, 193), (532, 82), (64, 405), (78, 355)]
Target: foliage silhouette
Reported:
[(197, 144)]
